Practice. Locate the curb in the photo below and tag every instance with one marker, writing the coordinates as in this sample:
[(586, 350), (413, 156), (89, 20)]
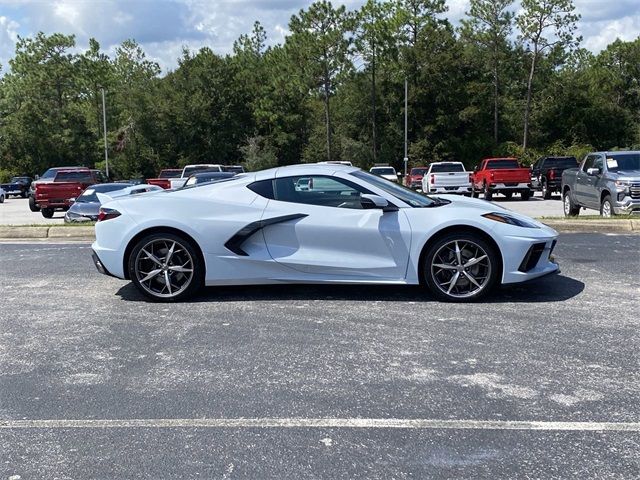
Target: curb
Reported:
[(88, 233), (47, 232)]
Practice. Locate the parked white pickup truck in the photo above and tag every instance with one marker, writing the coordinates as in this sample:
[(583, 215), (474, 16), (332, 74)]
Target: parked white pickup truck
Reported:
[(190, 170), (447, 177)]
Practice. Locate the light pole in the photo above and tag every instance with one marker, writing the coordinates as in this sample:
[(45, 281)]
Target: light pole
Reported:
[(104, 124), (406, 153)]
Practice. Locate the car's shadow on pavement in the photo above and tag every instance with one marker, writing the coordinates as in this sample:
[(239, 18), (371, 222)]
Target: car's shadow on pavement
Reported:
[(551, 289)]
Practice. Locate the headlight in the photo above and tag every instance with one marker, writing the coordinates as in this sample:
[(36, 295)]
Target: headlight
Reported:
[(622, 185), (505, 218)]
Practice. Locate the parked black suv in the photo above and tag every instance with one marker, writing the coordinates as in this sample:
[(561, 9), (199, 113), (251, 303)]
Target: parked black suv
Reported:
[(546, 174)]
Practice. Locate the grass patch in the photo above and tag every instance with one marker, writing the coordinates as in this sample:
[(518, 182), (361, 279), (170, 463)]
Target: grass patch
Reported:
[(591, 217)]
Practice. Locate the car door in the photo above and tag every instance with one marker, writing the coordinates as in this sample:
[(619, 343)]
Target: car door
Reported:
[(331, 234), (585, 182)]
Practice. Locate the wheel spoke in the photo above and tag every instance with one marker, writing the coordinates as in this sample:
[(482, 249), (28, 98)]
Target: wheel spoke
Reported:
[(475, 261), (458, 254), (152, 257), (453, 282), (150, 275), (167, 259), (167, 282), (445, 266), (471, 279), (181, 269)]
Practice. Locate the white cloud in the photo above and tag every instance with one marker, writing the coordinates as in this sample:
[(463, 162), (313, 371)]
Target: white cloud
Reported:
[(163, 27)]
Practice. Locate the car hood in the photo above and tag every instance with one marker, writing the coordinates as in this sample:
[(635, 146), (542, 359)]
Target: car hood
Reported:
[(483, 206), (632, 175)]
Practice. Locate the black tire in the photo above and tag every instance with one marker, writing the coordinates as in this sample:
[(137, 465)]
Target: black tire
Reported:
[(471, 247), (546, 193), (24, 194), (525, 195), (189, 258), (570, 208), (32, 205), (1, 198), (606, 207), (508, 195), (488, 195), (47, 212)]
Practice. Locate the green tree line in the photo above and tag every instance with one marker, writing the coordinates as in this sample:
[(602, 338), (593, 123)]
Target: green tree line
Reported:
[(502, 83)]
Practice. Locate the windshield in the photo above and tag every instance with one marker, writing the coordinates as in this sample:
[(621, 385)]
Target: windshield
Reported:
[(418, 171), (383, 171), (83, 177), (502, 164), (447, 167), (170, 174), (621, 163), (569, 162), (405, 194), (89, 195), (200, 168)]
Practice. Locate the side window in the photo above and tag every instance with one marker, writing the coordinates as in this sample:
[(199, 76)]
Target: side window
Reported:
[(264, 188), (538, 164), (588, 163), (319, 190), (598, 163)]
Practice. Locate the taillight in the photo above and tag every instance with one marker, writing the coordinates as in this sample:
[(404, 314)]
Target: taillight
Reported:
[(107, 214), (432, 178), (552, 174)]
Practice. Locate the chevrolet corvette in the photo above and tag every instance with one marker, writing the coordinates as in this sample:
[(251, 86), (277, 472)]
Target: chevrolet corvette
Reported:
[(317, 223)]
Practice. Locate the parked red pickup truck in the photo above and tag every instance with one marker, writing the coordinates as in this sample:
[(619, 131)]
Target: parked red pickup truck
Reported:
[(501, 175), (65, 187), (414, 178), (164, 179)]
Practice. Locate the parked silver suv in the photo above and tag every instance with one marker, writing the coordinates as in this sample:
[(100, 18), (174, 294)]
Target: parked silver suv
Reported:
[(605, 181)]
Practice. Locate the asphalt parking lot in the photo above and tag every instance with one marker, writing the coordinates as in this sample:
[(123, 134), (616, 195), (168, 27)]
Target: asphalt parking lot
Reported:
[(15, 211), (320, 381)]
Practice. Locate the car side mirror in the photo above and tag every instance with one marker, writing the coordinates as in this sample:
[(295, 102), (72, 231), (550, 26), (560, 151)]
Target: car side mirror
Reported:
[(72, 200), (593, 171), (37, 177), (475, 170), (369, 201)]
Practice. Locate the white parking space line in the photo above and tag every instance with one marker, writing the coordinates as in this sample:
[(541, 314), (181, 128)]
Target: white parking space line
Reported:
[(354, 423)]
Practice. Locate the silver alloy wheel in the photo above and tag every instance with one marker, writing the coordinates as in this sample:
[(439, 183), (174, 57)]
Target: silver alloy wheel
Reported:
[(164, 268), (606, 209), (461, 268), (567, 205)]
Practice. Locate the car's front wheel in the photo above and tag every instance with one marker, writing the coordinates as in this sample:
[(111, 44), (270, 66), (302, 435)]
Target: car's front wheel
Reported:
[(166, 267), (32, 205), (1, 198), (570, 209), (47, 212), (461, 267), (606, 208)]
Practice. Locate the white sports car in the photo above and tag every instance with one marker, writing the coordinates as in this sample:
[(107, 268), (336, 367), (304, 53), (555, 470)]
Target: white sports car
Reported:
[(317, 224)]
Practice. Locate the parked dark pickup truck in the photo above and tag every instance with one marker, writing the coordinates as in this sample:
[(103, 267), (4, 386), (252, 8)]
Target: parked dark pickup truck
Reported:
[(605, 181), (18, 186), (60, 193), (546, 174)]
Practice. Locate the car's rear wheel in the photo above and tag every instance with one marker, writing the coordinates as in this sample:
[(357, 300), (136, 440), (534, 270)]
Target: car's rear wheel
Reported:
[(570, 209), (461, 267), (47, 212), (1, 198), (606, 208), (32, 205), (166, 267)]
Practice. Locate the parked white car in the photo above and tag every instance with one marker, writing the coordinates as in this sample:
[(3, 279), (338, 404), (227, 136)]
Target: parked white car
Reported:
[(3, 195), (340, 225), (189, 170), (447, 177), (386, 172)]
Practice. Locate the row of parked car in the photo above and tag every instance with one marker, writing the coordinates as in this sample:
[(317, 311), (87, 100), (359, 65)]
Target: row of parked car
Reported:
[(605, 181), (77, 190)]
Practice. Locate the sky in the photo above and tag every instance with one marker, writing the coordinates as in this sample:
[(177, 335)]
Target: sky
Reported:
[(163, 27)]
